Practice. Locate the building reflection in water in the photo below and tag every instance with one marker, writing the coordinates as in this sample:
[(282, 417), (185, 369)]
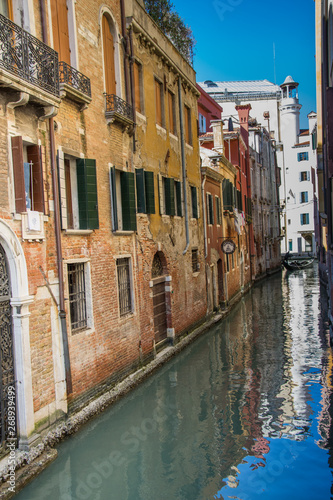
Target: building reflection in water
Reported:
[(210, 422)]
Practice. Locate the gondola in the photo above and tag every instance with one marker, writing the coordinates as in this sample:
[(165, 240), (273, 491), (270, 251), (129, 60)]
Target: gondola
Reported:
[(293, 265)]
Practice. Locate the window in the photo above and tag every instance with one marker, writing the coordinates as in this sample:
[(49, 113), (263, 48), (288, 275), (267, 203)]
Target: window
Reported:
[(77, 296), (289, 222), (218, 210), (304, 197), (304, 219), (124, 286), (145, 196), (302, 156), (195, 261), (228, 195), (6, 8), (290, 245), (304, 176), (122, 188), (178, 198), (78, 192), (28, 176), (159, 103), (202, 124), (194, 202), (109, 55), (210, 209), (137, 70), (188, 128), (172, 113)]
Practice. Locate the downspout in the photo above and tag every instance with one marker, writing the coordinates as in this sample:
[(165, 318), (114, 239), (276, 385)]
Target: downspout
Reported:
[(131, 58), (61, 307), (182, 143)]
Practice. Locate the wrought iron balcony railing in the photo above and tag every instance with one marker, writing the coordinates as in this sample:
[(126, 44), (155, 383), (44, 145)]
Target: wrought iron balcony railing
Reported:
[(118, 109), (74, 78), (27, 57)]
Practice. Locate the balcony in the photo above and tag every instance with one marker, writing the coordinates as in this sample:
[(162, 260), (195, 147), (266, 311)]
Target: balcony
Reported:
[(74, 84), (119, 111), (28, 65)]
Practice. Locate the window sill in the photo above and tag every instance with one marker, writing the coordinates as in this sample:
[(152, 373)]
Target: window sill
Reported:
[(78, 232), (86, 331), (123, 233), (173, 136)]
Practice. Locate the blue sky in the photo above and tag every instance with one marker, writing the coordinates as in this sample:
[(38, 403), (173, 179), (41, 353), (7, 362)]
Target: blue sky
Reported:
[(235, 42)]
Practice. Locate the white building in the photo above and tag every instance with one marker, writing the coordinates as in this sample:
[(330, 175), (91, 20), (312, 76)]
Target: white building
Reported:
[(278, 109)]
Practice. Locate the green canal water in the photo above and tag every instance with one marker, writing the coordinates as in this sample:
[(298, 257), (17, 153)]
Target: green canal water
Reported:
[(244, 413)]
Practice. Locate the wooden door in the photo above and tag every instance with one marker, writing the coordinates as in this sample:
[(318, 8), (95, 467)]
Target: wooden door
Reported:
[(159, 305), (109, 67)]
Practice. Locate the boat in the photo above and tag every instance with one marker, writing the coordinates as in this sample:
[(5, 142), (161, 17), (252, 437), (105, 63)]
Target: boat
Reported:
[(293, 265)]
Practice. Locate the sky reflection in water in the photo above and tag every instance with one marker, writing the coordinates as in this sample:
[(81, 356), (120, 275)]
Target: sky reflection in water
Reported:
[(243, 413)]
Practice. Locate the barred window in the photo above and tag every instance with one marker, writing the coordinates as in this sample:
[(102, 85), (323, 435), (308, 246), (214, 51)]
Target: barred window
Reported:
[(124, 286), (77, 296), (195, 261)]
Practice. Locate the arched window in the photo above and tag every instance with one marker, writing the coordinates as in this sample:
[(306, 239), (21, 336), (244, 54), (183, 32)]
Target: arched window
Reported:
[(109, 55)]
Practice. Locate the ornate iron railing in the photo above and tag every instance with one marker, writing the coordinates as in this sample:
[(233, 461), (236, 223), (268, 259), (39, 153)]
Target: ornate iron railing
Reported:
[(27, 57), (74, 78), (115, 104)]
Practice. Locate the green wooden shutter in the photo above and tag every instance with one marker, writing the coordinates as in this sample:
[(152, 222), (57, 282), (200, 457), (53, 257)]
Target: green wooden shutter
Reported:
[(128, 200), (113, 193), (150, 194), (87, 193), (169, 192), (179, 198), (225, 194), (194, 202), (140, 191)]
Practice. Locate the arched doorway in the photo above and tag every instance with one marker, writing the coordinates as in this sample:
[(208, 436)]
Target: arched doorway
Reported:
[(159, 297), (7, 377)]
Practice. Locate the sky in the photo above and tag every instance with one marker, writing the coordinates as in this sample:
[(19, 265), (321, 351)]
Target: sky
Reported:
[(235, 40)]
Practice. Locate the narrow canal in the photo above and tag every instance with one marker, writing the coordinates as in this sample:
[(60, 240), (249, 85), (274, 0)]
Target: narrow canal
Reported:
[(244, 413)]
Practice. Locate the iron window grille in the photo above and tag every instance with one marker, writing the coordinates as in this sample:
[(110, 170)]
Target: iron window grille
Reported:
[(77, 296), (195, 261), (124, 286)]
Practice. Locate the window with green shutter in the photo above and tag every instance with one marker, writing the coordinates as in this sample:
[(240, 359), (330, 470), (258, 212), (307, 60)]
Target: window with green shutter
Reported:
[(140, 191), (178, 194), (194, 202), (150, 193), (169, 196), (122, 191), (87, 193)]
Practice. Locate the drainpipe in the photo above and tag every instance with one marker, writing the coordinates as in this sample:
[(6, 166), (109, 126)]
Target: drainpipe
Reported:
[(182, 142), (131, 59), (62, 312), (61, 307)]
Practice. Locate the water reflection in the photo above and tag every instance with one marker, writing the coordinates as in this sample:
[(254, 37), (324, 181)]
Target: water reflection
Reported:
[(244, 413)]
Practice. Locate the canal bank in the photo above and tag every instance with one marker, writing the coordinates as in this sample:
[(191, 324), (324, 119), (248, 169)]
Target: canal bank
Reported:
[(30, 464)]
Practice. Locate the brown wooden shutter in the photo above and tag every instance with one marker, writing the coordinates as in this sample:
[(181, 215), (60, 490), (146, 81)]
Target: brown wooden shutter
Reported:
[(158, 103), (171, 120), (18, 171), (33, 153), (109, 67), (59, 14), (136, 68)]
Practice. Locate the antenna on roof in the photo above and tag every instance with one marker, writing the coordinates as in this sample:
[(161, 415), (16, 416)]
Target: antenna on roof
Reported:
[(274, 63)]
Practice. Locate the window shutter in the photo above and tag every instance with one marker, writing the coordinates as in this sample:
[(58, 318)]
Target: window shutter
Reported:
[(34, 157), (169, 191), (158, 100), (18, 171), (137, 94), (194, 202), (87, 193), (179, 198), (113, 193), (150, 194), (128, 200), (140, 191), (224, 194), (62, 189)]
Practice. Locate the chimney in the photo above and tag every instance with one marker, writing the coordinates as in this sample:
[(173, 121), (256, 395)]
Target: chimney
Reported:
[(217, 126)]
